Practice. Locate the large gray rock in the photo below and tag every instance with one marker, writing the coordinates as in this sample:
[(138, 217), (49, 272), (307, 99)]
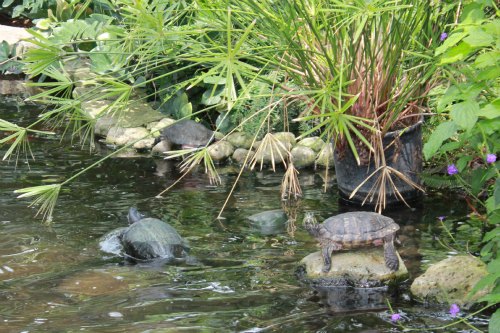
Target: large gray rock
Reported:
[(286, 137), (162, 147), (363, 267), (123, 136), (450, 281), (303, 156), (271, 222), (272, 153), (315, 143), (220, 151), (325, 156), (240, 155), (240, 140)]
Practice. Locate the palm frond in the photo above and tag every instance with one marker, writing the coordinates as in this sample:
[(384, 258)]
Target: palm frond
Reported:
[(45, 196)]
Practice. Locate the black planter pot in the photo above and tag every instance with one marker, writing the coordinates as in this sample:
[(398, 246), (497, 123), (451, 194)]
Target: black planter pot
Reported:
[(405, 155)]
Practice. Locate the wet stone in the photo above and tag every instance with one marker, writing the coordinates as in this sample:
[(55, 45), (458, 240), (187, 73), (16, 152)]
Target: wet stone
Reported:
[(303, 156), (220, 151), (286, 137), (240, 154), (450, 281), (325, 156), (122, 136), (92, 283), (315, 143), (240, 140), (355, 268)]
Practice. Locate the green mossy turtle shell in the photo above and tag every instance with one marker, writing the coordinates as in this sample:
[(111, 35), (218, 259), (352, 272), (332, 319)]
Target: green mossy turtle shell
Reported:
[(152, 238)]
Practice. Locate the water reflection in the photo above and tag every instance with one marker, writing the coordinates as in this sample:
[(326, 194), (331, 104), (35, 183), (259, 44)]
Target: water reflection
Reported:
[(246, 279)]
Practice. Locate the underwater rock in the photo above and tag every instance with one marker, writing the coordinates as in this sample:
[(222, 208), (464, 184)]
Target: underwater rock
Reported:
[(363, 267), (220, 151), (270, 222), (122, 136), (95, 109), (315, 143), (450, 281), (303, 156), (240, 140), (240, 154), (92, 283)]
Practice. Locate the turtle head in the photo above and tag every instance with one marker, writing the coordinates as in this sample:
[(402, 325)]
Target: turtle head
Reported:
[(134, 215), (310, 224)]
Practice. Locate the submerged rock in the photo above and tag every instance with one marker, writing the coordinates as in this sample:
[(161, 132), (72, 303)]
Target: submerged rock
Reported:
[(450, 281), (271, 222), (92, 283), (363, 267)]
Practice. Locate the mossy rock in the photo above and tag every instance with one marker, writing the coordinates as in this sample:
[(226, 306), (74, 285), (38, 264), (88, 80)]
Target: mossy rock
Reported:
[(363, 267), (450, 281)]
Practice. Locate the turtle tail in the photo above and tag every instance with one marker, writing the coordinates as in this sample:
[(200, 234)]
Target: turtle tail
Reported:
[(311, 225)]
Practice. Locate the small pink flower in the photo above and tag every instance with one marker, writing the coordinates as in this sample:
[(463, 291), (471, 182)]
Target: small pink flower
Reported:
[(395, 317), (491, 158), (454, 309), (452, 169)]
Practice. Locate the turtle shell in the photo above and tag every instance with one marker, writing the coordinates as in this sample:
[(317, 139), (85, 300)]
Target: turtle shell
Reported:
[(357, 227), (152, 238)]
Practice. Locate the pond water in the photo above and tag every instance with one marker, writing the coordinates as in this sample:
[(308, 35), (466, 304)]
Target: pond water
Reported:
[(54, 278)]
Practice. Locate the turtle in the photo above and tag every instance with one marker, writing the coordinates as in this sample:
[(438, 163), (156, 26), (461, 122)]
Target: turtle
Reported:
[(352, 230), (149, 238), (188, 133)]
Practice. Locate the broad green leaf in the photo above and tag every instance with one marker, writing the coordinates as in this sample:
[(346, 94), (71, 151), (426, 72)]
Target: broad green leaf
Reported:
[(490, 111), (487, 59), (465, 114), (489, 73), (456, 53), (494, 325), (494, 266), (472, 13), (478, 38), (462, 162), (442, 132), (453, 39), (496, 193)]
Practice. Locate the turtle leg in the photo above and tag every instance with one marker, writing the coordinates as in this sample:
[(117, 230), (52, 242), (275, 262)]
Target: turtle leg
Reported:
[(391, 258), (327, 251)]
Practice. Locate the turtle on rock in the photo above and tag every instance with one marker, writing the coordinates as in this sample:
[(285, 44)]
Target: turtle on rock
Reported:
[(188, 134), (352, 230), (145, 239)]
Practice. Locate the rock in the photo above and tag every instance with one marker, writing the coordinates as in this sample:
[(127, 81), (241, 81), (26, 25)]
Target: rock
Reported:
[(363, 267), (157, 126), (272, 152), (315, 143), (162, 147), (286, 137), (103, 124), (240, 140), (96, 109), (92, 283), (303, 156), (240, 155), (16, 36), (325, 156), (220, 151), (450, 281), (123, 136), (271, 222)]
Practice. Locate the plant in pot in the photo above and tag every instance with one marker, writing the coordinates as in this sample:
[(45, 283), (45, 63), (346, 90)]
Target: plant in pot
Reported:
[(363, 69)]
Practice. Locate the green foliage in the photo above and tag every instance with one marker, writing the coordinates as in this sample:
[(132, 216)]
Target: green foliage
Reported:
[(469, 116), (28, 8), (9, 62)]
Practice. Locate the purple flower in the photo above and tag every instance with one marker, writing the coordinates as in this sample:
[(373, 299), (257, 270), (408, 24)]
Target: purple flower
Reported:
[(443, 36), (454, 309), (441, 218), (452, 169), (491, 158), (395, 317)]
